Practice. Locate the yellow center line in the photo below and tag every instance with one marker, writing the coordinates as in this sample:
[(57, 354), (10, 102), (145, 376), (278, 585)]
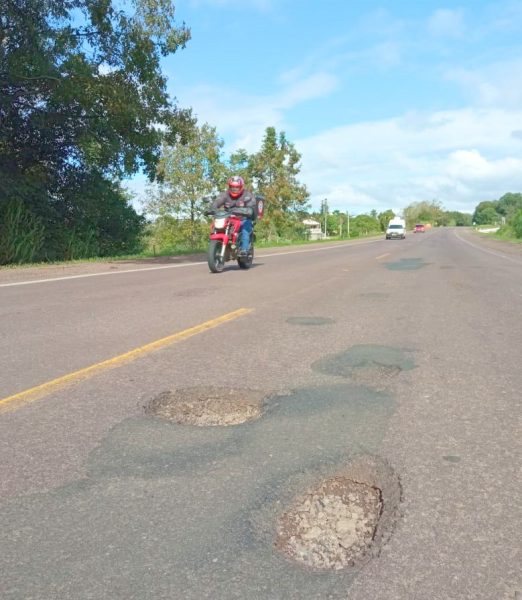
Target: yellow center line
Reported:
[(44, 389), (382, 256)]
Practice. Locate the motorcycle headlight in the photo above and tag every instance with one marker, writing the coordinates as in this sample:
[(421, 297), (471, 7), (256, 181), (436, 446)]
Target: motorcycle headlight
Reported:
[(219, 223)]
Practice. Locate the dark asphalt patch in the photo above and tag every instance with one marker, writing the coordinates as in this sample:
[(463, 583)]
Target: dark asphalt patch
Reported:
[(172, 510), (310, 321), (406, 264), (207, 406), (374, 296), (451, 458), (371, 364)]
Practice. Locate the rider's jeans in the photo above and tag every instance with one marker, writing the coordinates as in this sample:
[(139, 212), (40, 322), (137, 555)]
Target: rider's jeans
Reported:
[(244, 234)]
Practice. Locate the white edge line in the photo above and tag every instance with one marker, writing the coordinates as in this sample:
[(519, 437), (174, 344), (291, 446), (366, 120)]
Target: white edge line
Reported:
[(98, 274), (192, 264), (518, 262)]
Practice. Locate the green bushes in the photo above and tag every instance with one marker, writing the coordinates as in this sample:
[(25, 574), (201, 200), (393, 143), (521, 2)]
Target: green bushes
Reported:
[(516, 224)]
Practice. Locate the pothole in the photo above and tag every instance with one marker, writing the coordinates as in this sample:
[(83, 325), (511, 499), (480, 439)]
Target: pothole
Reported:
[(331, 526), (343, 520), (207, 406)]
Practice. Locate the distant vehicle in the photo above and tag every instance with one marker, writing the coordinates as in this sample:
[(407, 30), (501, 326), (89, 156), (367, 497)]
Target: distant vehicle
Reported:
[(419, 228), (396, 229)]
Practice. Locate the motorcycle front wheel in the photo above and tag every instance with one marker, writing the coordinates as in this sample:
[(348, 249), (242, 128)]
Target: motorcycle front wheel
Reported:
[(215, 261)]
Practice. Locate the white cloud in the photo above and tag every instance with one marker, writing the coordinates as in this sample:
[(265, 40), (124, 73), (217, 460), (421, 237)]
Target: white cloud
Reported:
[(498, 84), (251, 114), (470, 165), (446, 23), (457, 157)]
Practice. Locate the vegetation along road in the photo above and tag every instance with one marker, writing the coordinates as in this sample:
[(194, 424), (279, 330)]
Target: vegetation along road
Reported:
[(340, 421)]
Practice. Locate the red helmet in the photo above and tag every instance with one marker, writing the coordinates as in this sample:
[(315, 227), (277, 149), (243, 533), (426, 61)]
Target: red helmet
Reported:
[(236, 185)]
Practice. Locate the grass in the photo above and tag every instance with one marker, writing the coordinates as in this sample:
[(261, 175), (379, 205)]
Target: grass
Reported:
[(176, 251), (505, 233)]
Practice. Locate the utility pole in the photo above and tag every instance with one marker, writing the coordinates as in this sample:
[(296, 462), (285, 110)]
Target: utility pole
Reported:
[(347, 224), (325, 205)]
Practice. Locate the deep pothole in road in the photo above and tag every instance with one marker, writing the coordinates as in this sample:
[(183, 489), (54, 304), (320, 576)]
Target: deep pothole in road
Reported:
[(331, 526), (343, 520), (207, 406)]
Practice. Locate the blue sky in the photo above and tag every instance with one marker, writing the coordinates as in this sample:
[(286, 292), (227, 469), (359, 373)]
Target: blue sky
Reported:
[(388, 102)]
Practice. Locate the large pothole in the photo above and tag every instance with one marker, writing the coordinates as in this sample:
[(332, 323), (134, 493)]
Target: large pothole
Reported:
[(207, 406), (331, 526), (343, 520)]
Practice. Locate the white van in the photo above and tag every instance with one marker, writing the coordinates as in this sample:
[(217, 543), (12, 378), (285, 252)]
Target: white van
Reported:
[(396, 229)]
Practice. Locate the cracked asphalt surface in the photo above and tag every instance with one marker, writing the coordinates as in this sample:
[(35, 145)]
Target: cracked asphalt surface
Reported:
[(417, 365)]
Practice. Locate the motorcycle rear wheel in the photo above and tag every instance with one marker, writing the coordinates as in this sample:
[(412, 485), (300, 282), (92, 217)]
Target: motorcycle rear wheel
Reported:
[(216, 262), (245, 262)]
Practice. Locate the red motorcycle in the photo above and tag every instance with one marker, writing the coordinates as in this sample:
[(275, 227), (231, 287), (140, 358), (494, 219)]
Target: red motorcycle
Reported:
[(224, 236)]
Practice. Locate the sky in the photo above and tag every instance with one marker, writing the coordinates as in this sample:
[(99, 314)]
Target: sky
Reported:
[(388, 102)]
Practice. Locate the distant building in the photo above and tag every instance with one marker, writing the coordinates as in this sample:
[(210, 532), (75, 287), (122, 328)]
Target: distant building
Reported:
[(314, 229)]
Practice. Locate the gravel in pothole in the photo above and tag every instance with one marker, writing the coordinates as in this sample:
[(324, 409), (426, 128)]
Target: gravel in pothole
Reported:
[(207, 406), (332, 526)]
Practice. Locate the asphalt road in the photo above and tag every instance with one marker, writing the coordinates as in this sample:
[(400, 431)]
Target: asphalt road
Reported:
[(408, 352)]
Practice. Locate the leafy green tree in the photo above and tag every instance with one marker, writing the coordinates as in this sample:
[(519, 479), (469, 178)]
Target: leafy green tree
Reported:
[(424, 212), (82, 102), (479, 215), (274, 170), (486, 216), (189, 172), (509, 204), (384, 218), (457, 218), (516, 224), (364, 225)]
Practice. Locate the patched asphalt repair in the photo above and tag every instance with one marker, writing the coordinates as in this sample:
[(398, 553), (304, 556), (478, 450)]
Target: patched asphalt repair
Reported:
[(172, 510)]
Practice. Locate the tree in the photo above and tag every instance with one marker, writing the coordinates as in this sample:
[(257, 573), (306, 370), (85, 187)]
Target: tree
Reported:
[(457, 218), (424, 212), (516, 223), (364, 225), (384, 218), (274, 171), (480, 217), (82, 101), (189, 172), (487, 216), (509, 204)]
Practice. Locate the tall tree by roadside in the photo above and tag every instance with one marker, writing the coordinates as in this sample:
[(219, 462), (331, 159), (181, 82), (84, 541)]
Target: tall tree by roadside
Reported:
[(188, 171), (384, 218), (425, 212), (274, 171), (83, 103)]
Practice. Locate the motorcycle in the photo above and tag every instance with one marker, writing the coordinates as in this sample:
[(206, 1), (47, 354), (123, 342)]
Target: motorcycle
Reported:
[(224, 235), (224, 240)]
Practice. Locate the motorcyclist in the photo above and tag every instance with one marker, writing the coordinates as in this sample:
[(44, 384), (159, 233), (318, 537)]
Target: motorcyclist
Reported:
[(237, 196)]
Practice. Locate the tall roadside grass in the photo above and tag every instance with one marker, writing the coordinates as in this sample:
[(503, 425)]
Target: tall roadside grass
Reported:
[(22, 234)]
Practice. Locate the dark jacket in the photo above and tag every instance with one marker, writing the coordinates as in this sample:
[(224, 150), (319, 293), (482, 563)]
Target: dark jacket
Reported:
[(247, 200)]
